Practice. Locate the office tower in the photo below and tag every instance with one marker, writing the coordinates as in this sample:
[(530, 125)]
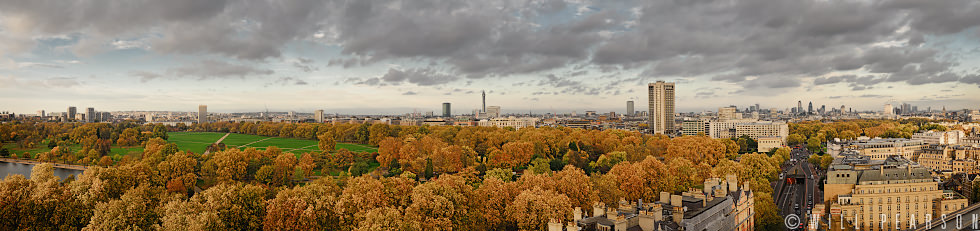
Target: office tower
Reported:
[(71, 113), (90, 115), (823, 109), (629, 108), (661, 107), (40, 113), (202, 114), (888, 109), (757, 108), (318, 116), (291, 114), (446, 112), (810, 108), (799, 106), (841, 109), (484, 101), (726, 113), (493, 111)]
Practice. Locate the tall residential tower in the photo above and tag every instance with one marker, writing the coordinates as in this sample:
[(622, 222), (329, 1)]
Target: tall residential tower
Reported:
[(661, 108), (629, 108), (446, 112)]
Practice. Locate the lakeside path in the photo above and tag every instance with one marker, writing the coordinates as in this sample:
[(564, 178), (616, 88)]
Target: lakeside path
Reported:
[(56, 165)]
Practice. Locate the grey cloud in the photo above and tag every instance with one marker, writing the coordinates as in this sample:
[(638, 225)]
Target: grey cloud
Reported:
[(417, 76), (217, 69), (777, 44), (409, 93), (145, 75)]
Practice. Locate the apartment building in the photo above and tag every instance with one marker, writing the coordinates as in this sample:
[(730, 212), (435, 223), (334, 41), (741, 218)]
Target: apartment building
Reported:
[(864, 190), (514, 122), (933, 137), (880, 149)]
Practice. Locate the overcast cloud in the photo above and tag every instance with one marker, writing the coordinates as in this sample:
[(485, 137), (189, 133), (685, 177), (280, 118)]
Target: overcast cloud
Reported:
[(600, 51)]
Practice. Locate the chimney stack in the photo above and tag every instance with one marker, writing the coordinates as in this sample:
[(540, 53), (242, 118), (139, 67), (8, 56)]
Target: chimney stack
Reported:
[(664, 197), (678, 214), (577, 214)]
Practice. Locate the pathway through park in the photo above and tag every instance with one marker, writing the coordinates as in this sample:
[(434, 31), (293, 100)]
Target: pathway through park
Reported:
[(217, 142)]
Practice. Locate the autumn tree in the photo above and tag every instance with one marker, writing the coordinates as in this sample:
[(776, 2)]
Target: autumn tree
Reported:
[(532, 209), (326, 142), (303, 208)]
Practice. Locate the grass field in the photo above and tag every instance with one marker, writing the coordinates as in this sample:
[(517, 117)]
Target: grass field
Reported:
[(198, 141), (115, 152)]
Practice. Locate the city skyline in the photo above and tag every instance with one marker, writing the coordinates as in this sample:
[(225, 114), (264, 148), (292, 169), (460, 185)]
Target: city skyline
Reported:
[(303, 56)]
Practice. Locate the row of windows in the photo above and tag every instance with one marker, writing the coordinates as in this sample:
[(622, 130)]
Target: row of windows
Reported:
[(899, 190)]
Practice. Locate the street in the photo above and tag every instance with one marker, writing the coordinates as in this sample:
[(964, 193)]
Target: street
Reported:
[(797, 188)]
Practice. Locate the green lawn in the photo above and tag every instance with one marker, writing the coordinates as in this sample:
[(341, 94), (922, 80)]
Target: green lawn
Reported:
[(198, 141), (115, 152)]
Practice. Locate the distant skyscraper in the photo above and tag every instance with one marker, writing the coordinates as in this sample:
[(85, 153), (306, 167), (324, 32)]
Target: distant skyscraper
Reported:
[(661, 107), (799, 106), (484, 93), (810, 109), (202, 114), (757, 108), (888, 109), (40, 113), (629, 108), (727, 113), (446, 110), (90, 115), (71, 113), (318, 116)]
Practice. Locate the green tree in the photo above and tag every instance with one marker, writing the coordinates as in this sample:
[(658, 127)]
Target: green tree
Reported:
[(428, 169), (814, 145), (794, 139)]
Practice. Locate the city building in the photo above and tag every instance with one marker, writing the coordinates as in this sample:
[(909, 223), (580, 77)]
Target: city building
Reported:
[(888, 110), (864, 190), (318, 116), (753, 129), (727, 113), (90, 115), (484, 94), (202, 114), (694, 127), (493, 111), (514, 122), (721, 205), (767, 143), (71, 112), (661, 117), (880, 149), (950, 158), (934, 137), (446, 110), (40, 113), (629, 108)]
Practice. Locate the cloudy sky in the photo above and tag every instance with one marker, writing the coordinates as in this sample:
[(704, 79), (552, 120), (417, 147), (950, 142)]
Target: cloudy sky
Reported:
[(366, 56)]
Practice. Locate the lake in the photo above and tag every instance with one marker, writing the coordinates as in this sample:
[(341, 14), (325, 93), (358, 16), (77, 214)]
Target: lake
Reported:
[(25, 169)]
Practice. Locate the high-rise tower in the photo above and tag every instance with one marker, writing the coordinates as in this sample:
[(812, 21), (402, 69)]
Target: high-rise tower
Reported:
[(661, 107), (446, 112), (484, 101), (202, 114), (629, 108), (71, 112), (90, 115)]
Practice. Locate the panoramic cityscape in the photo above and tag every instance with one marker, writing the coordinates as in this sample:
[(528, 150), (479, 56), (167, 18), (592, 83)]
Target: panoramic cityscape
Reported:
[(547, 115)]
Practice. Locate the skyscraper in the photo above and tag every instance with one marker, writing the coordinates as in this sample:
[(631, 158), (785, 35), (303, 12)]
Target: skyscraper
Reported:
[(484, 101), (810, 108), (661, 107), (90, 115), (71, 113), (446, 112), (202, 114), (493, 111), (318, 116), (799, 107), (629, 108), (888, 109)]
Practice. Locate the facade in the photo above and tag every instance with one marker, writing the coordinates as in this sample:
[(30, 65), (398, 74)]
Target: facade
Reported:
[(661, 117), (90, 115), (888, 110), (71, 112), (629, 108), (866, 189), (880, 149), (733, 129), (446, 110), (933, 137), (202, 114), (721, 205), (727, 113), (769, 142), (694, 127), (516, 123), (950, 158), (318, 116), (493, 111)]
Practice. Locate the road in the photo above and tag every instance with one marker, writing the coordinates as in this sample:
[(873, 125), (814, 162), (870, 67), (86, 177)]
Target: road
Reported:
[(799, 197)]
